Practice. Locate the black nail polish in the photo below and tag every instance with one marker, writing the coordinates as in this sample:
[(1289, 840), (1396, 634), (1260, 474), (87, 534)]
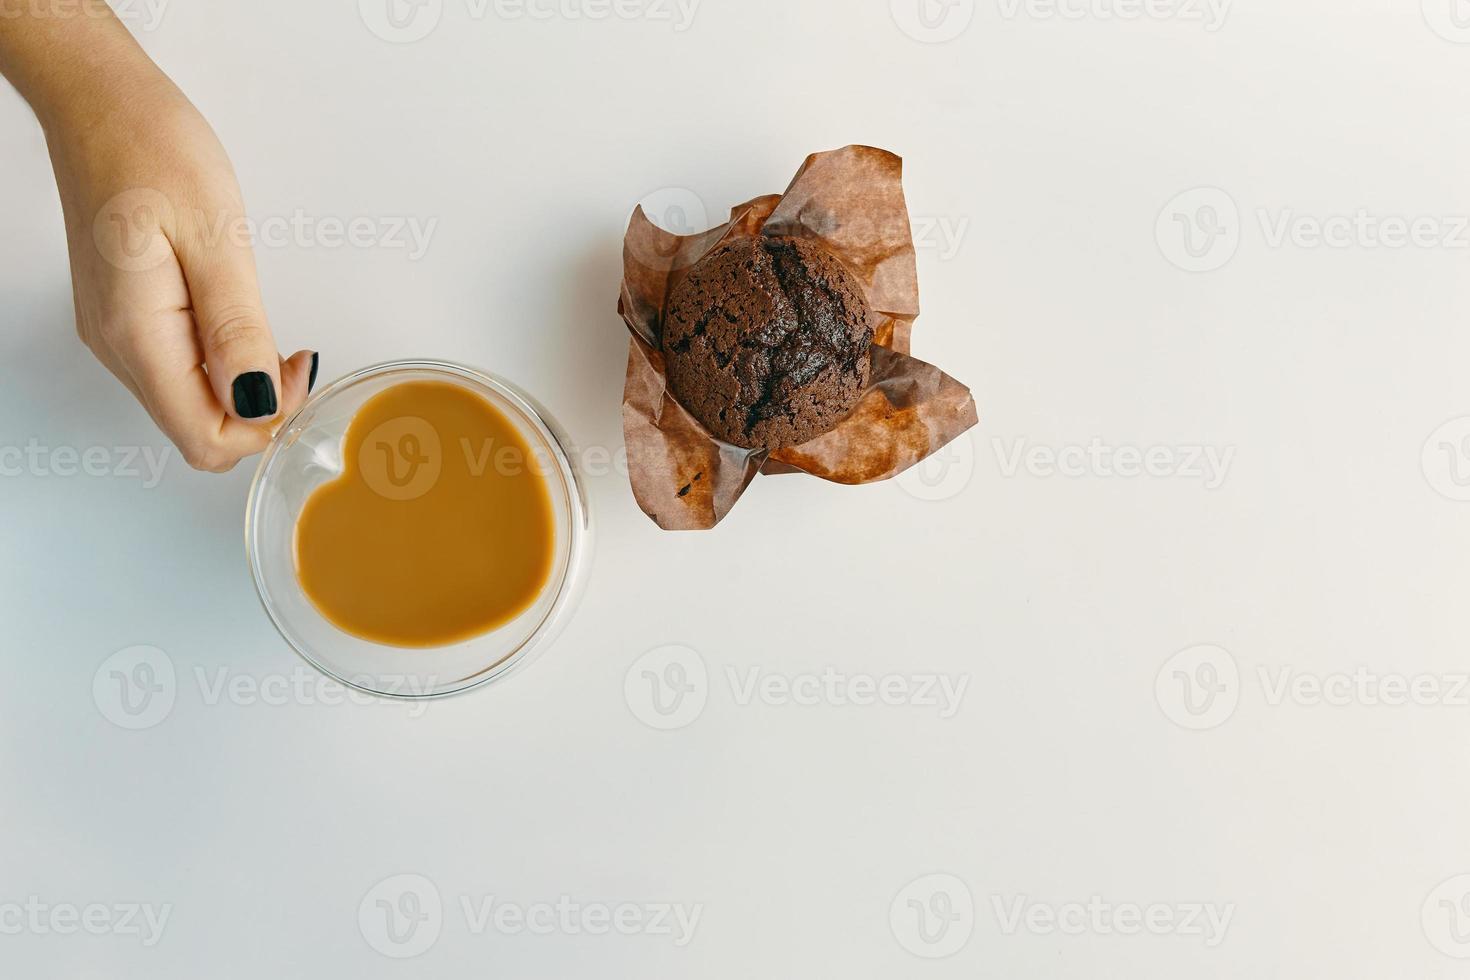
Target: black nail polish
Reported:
[(255, 395), (311, 379)]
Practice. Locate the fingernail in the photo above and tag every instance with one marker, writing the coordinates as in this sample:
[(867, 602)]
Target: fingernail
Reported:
[(311, 378), (255, 395)]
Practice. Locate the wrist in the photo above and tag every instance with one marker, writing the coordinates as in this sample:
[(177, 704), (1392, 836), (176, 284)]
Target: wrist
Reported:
[(122, 100), (74, 62)]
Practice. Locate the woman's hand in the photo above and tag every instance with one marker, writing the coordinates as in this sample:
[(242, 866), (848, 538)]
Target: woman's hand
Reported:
[(163, 276), (164, 279)]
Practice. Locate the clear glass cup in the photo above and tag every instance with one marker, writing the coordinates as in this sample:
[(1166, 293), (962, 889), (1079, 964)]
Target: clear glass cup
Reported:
[(307, 452)]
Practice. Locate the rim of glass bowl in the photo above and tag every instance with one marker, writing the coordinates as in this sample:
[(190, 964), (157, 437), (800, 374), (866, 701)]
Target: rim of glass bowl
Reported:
[(578, 522)]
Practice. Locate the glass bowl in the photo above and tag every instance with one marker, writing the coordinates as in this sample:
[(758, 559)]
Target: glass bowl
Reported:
[(307, 452)]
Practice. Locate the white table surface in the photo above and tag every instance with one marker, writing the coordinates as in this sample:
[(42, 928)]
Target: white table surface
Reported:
[(1324, 832)]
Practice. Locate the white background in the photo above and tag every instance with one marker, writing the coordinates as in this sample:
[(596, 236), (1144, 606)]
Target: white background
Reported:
[(1057, 148)]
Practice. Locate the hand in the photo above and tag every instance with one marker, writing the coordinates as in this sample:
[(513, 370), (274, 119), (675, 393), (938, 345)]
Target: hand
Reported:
[(163, 276), (164, 280)]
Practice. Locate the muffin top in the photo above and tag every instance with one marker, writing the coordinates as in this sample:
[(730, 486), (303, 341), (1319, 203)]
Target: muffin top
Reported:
[(767, 341)]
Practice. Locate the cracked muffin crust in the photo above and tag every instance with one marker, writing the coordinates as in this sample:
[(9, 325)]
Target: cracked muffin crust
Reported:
[(767, 341)]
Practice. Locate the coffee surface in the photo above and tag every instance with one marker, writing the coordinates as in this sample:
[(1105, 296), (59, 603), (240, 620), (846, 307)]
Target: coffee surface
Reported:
[(440, 527)]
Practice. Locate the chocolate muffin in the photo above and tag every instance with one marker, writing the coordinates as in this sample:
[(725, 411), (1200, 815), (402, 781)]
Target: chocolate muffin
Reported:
[(766, 341)]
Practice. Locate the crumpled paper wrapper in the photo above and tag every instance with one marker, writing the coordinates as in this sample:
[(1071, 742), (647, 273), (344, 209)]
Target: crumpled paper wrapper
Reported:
[(851, 201)]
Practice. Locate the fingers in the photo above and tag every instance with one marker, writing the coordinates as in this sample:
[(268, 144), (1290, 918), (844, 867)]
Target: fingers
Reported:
[(188, 412), (244, 369), (298, 375), (162, 366), (183, 403)]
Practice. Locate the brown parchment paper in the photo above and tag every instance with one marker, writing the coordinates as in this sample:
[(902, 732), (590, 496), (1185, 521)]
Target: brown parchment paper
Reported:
[(851, 201)]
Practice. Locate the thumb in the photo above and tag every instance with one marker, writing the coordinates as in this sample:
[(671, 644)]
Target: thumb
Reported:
[(239, 351)]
